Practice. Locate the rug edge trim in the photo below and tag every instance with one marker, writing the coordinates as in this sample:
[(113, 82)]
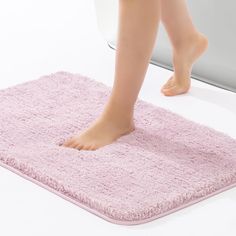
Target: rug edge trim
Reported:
[(103, 216)]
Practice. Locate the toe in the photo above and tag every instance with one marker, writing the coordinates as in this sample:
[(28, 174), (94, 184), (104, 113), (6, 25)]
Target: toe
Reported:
[(89, 147), (67, 143), (170, 91), (86, 147), (79, 146), (93, 148), (167, 84), (74, 144), (175, 90)]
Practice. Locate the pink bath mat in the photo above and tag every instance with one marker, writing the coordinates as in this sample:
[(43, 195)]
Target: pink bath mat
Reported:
[(167, 163)]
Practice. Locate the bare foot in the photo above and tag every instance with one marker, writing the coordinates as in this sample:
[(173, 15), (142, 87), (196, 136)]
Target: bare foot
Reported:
[(183, 60), (103, 131)]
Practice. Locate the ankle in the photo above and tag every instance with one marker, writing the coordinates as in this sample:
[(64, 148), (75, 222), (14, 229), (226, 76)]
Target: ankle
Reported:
[(119, 108), (117, 115), (187, 41)]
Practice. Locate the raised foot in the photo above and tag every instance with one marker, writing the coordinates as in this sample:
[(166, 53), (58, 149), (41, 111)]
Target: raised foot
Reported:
[(174, 87), (183, 60)]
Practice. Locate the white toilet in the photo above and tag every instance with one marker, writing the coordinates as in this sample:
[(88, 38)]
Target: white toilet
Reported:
[(215, 18)]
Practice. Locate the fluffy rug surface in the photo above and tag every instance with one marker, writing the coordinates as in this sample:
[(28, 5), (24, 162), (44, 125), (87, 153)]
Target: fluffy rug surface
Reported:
[(166, 164)]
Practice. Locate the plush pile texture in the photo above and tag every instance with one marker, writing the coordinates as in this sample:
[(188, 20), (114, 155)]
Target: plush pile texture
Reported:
[(166, 164)]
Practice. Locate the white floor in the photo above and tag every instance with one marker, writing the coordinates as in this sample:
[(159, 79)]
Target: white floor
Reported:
[(41, 37)]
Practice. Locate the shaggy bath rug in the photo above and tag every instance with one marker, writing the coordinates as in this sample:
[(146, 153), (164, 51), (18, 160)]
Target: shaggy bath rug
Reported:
[(166, 164)]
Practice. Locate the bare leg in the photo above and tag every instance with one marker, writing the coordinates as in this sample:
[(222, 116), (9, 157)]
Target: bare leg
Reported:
[(138, 25), (187, 43)]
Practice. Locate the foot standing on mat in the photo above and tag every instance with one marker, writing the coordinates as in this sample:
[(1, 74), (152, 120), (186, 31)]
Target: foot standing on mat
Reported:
[(137, 31)]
